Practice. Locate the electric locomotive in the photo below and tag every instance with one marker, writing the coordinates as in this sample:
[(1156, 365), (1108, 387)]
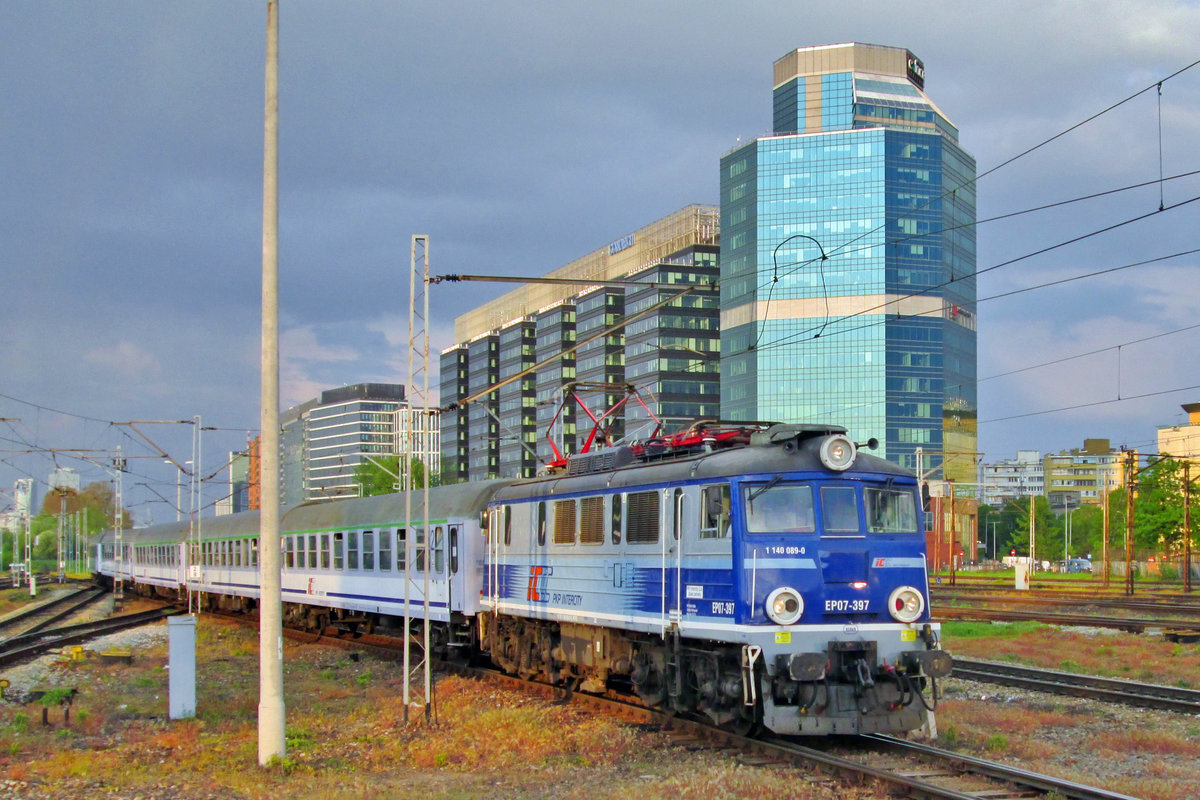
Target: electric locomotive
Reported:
[(767, 576), (774, 578)]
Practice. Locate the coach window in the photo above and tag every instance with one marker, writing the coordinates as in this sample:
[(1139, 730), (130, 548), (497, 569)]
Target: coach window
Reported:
[(714, 511), (439, 551), (616, 518), (254, 552), (564, 522), (419, 551), (324, 551), (541, 524), (385, 551), (591, 520), (839, 509), (237, 552), (507, 526), (352, 550), (338, 545), (368, 551), (453, 549), (401, 549), (642, 523)]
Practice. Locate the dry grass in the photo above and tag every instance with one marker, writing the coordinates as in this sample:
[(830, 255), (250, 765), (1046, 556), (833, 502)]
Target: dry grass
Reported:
[(1109, 654), (347, 738), (1143, 754)]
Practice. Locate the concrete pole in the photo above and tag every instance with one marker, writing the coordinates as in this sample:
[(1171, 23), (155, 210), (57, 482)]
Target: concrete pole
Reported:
[(271, 741), (1187, 527)]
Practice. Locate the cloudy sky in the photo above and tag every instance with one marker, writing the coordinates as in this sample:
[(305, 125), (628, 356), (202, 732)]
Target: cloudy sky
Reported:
[(520, 136)]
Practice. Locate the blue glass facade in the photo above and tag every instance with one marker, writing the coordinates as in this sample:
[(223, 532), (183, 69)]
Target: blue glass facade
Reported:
[(879, 335)]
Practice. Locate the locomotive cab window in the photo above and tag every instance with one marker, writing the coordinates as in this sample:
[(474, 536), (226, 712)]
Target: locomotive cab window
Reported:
[(890, 511), (839, 509), (776, 507), (714, 511)]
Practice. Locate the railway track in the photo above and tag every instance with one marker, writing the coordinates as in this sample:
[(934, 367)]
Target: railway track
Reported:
[(907, 769), (1129, 624), (1109, 690), (30, 644), (41, 615)]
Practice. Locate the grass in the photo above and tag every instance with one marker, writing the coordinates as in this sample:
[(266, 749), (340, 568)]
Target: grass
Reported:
[(347, 737)]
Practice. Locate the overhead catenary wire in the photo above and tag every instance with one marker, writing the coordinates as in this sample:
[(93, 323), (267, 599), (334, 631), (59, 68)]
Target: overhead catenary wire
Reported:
[(881, 307)]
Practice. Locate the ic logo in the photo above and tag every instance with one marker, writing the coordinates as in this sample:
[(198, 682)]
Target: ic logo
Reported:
[(536, 591)]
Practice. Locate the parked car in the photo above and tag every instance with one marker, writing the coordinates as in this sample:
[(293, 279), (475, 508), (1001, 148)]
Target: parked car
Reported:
[(1078, 565)]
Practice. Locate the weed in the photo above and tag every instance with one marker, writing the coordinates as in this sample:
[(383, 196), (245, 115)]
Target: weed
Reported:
[(363, 679), (949, 736), (281, 764), (325, 674), (996, 743), (299, 739), (1067, 665), (20, 722)]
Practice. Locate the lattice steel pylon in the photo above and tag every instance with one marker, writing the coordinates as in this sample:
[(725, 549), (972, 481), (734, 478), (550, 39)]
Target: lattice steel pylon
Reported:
[(417, 528)]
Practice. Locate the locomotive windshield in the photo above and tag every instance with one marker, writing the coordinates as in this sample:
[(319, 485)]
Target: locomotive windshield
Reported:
[(891, 511), (782, 507)]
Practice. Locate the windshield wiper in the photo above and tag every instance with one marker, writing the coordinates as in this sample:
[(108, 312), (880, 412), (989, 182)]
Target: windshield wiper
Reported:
[(763, 488)]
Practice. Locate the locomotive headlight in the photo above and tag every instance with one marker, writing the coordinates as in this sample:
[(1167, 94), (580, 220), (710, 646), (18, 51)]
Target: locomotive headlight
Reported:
[(837, 453), (784, 606), (906, 604)]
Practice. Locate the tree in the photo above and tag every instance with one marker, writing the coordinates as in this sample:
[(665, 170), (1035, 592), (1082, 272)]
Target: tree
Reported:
[(378, 478), (1158, 507)]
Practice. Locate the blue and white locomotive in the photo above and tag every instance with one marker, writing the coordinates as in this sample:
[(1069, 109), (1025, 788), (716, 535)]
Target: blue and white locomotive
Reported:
[(772, 577)]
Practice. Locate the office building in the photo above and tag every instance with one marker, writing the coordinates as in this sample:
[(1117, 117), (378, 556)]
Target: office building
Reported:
[(324, 441), (848, 260), (517, 429)]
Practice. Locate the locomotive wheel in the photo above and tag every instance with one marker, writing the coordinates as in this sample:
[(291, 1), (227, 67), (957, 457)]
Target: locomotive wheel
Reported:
[(745, 724)]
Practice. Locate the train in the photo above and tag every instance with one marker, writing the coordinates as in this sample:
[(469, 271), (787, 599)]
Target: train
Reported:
[(768, 577)]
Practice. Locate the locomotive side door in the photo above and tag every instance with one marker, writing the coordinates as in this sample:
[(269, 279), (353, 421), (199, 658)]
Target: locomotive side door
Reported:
[(673, 536)]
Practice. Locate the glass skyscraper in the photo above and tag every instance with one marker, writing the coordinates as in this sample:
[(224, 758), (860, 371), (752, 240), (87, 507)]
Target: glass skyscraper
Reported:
[(848, 260)]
